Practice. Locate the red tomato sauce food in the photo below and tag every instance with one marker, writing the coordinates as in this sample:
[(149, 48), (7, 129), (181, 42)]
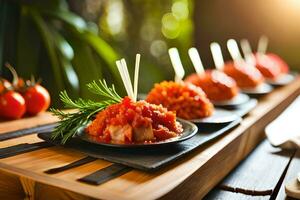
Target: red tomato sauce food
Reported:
[(271, 65), (134, 122), (246, 76), (187, 100), (267, 66), (284, 67), (216, 85)]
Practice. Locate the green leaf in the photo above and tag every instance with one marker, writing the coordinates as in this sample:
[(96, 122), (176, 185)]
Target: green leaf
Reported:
[(70, 75), (51, 5), (65, 55), (85, 64), (49, 43), (3, 10), (70, 18), (63, 45), (28, 46), (104, 50)]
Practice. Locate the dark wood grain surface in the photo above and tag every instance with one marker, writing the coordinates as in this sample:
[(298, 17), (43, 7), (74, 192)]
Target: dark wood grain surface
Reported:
[(260, 172), (292, 171), (218, 194), (260, 175)]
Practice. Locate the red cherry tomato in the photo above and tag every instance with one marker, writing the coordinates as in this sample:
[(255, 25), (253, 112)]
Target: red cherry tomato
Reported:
[(37, 99), (12, 105), (4, 85)]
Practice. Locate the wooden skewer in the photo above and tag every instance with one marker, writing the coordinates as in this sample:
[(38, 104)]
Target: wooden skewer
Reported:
[(176, 63), (196, 60), (247, 51), (136, 75), (262, 45), (234, 50), (120, 68), (127, 78), (217, 55), (123, 70)]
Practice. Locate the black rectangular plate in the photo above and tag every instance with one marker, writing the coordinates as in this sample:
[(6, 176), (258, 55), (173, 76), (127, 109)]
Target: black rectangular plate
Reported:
[(244, 109), (147, 158), (27, 131)]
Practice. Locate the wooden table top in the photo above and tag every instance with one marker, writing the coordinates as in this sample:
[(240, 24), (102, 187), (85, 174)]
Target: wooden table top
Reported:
[(262, 175), (191, 177)]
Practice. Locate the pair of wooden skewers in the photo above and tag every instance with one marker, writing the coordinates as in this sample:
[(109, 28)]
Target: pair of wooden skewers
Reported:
[(123, 70), (247, 51), (217, 56)]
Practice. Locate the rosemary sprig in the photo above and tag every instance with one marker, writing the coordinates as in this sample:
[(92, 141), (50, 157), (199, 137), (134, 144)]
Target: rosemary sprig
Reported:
[(72, 122)]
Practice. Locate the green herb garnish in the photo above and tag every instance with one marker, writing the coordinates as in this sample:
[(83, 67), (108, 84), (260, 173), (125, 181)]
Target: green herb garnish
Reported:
[(71, 122)]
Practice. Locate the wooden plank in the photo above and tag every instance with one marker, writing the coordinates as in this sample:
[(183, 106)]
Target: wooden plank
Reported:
[(27, 122), (259, 172), (191, 177), (291, 174), (10, 186), (218, 194)]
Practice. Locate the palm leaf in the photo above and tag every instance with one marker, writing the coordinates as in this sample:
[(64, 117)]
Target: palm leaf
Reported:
[(85, 64), (28, 52), (49, 43), (3, 9), (66, 54), (69, 18), (103, 49)]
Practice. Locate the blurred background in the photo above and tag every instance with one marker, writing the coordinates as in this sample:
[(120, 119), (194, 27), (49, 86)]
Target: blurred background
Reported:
[(68, 43)]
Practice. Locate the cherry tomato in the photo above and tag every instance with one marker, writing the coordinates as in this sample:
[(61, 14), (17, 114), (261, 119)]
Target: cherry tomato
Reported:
[(4, 85), (37, 99), (12, 105)]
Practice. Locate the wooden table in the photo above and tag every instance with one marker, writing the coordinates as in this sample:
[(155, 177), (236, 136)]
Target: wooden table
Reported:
[(262, 175), (191, 177)]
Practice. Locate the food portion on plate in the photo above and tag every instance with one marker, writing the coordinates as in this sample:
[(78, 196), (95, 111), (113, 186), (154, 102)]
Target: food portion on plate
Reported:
[(187, 100), (216, 85), (267, 66), (245, 75), (119, 121), (273, 68), (284, 67), (134, 122)]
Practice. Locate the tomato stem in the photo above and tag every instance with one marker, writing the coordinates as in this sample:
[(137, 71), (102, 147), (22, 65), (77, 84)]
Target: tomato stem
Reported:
[(14, 73)]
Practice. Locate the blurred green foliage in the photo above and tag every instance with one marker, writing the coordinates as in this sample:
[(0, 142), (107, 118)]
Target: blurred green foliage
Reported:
[(69, 43)]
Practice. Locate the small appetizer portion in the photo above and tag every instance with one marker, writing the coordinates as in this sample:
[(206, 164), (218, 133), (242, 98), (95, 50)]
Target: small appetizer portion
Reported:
[(267, 66), (245, 75), (187, 100), (114, 119), (216, 84), (284, 67), (134, 122), (271, 65)]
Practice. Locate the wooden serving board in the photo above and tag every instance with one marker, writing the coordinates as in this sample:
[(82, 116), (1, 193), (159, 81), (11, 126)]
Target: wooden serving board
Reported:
[(26, 122), (190, 177)]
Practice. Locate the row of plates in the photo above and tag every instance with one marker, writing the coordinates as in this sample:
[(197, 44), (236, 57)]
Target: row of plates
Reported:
[(220, 115)]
